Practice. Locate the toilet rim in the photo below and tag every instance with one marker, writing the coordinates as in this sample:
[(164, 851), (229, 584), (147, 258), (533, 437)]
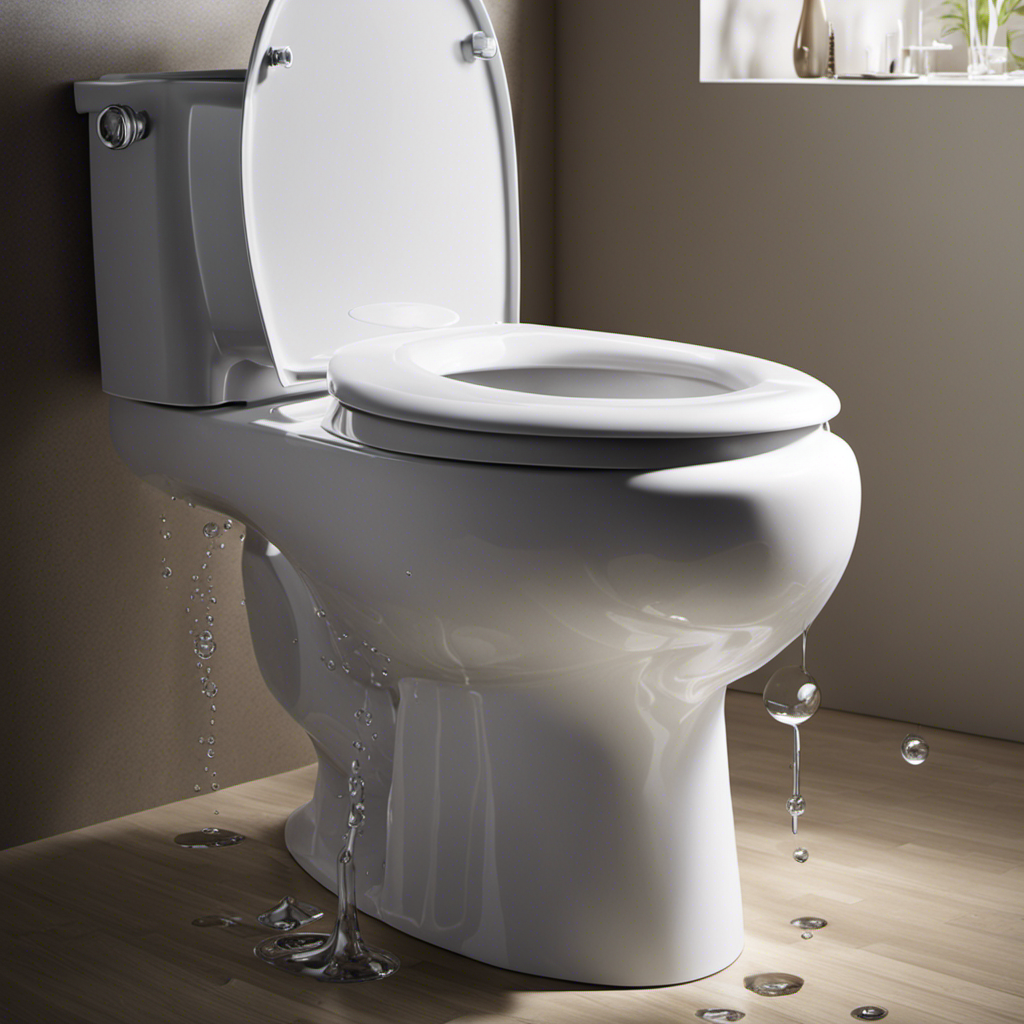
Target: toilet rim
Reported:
[(412, 378)]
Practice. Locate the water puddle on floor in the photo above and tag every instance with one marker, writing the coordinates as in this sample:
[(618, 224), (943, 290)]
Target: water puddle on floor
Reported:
[(773, 984)]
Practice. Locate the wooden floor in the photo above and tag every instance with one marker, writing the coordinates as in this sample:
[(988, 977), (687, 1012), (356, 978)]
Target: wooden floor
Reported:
[(919, 871)]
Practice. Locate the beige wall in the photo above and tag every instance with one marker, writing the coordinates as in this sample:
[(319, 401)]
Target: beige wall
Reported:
[(103, 711), (870, 235)]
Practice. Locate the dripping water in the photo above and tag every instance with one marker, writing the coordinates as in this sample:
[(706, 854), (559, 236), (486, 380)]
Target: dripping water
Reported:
[(791, 696), (342, 955)]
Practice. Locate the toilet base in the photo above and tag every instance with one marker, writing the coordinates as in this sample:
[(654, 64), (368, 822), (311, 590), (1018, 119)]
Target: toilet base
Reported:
[(639, 889)]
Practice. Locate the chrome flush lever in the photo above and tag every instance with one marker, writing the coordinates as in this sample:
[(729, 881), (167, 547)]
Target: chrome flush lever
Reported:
[(479, 46)]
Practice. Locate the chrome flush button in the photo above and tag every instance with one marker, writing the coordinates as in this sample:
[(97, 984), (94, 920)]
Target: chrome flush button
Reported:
[(279, 56), (479, 46), (119, 126)]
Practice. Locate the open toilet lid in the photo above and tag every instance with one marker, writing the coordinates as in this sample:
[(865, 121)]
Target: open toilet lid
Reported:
[(525, 379), (378, 176)]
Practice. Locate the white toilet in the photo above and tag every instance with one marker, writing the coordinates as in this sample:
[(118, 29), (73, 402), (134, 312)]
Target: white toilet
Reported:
[(536, 556)]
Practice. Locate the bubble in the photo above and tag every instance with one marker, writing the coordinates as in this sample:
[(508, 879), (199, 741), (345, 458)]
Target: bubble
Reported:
[(800, 855), (330, 666), (194, 578), (197, 787), (211, 529), (167, 573), (213, 786), (914, 751), (209, 619), (212, 740), (209, 753), (228, 523), (791, 696), (807, 935), (213, 600), (773, 984), (869, 1013), (796, 805), (166, 535)]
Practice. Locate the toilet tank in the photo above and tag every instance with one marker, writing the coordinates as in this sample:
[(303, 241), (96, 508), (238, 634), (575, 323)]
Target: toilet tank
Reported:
[(179, 322), (258, 221)]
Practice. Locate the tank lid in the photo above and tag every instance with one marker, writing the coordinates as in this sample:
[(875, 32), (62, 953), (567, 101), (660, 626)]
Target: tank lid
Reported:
[(378, 174)]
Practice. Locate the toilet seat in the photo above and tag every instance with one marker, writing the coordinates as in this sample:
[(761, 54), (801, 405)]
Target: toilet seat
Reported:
[(559, 396)]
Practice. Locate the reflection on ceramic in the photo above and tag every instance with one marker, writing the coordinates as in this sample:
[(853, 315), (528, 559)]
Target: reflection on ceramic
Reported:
[(535, 556), (544, 653)]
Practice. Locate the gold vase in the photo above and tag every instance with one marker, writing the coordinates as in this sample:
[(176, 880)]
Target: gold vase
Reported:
[(810, 50)]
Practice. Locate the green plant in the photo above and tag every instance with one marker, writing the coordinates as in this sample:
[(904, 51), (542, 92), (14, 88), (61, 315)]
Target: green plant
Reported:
[(957, 18)]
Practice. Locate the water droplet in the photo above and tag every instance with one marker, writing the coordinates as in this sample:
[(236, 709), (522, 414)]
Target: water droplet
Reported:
[(216, 921), (358, 745), (807, 935), (869, 1013), (320, 613), (359, 714), (216, 812), (209, 753), (813, 923), (407, 573), (914, 750), (213, 600), (204, 647), (202, 739), (800, 855), (167, 573), (208, 837), (368, 718), (796, 805), (191, 504), (163, 519), (373, 736), (167, 535), (212, 740), (197, 787), (773, 984), (228, 523), (330, 666), (214, 785), (211, 529), (242, 602), (213, 707), (209, 619), (194, 578), (720, 1015), (241, 536), (791, 696), (221, 544)]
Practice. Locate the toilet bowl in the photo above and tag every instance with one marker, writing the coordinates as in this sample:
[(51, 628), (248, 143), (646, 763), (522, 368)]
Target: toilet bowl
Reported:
[(508, 568)]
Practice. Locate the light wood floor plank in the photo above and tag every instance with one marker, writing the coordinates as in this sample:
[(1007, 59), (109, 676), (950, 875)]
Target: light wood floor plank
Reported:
[(919, 871)]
